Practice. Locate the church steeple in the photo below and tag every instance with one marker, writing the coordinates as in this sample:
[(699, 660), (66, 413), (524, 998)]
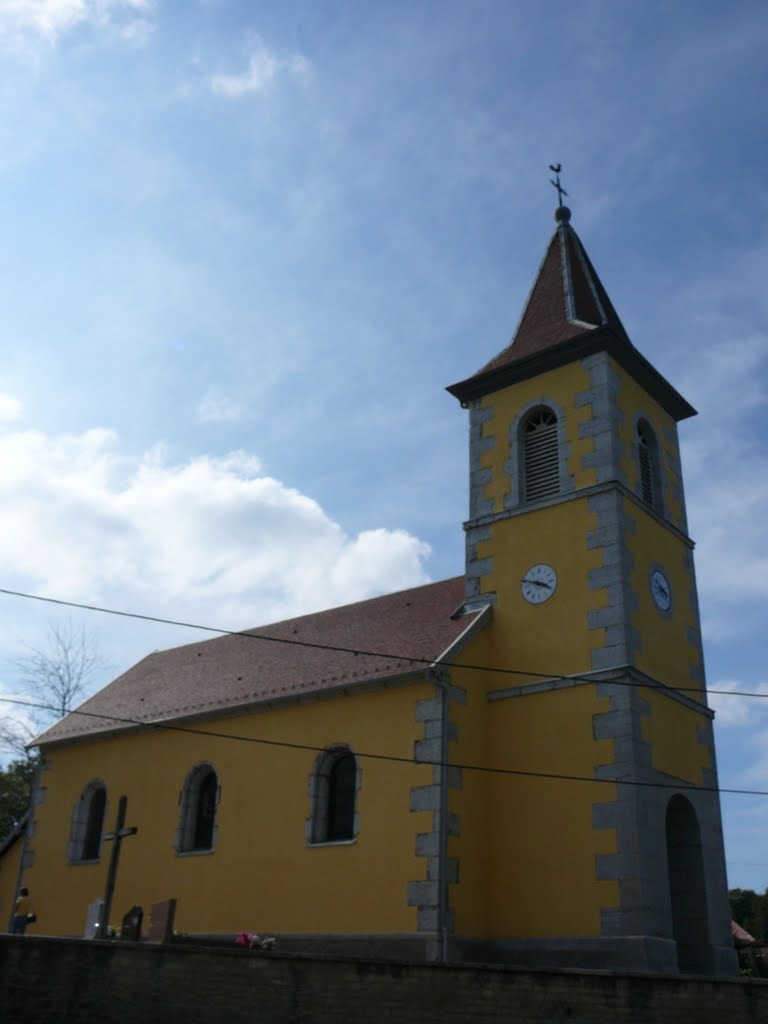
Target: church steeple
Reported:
[(568, 316), (577, 541)]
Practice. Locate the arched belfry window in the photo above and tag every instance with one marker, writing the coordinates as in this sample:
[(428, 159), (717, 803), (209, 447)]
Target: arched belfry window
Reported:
[(541, 455), (88, 823), (648, 458), (333, 790), (197, 820)]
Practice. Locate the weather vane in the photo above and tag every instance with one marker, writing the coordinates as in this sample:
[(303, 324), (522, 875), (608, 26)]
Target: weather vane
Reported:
[(560, 190)]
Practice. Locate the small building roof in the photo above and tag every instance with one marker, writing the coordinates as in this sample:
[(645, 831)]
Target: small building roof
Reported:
[(335, 650)]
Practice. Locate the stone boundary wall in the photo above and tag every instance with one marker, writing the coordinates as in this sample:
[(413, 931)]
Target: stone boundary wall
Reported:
[(44, 980)]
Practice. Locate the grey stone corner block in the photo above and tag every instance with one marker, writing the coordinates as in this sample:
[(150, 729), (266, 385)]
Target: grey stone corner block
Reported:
[(597, 359), (427, 750), (481, 476), (433, 728), (607, 725), (608, 866), (611, 922), (422, 894), (613, 615), (427, 844), (604, 576), (616, 635), (480, 567), (428, 708), (604, 815), (452, 871), (599, 537), (454, 824), (427, 919), (425, 798)]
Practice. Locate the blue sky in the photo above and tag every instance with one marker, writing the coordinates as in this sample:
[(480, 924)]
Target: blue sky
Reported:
[(245, 246)]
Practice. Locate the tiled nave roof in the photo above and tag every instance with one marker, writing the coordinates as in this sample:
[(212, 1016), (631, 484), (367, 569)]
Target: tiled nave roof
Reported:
[(417, 626)]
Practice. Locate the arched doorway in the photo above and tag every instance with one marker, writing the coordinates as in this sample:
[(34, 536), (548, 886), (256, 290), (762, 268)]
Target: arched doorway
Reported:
[(687, 890)]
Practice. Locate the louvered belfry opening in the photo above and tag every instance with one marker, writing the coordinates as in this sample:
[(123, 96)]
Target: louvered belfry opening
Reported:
[(541, 461), (646, 448)]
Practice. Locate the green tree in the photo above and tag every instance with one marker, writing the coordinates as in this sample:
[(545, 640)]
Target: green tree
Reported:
[(16, 782), (750, 910)]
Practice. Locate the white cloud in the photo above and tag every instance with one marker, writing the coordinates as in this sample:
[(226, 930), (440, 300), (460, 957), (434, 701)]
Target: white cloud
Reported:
[(725, 461), (737, 703), (211, 539), (26, 24), (263, 67), (10, 408), (215, 408)]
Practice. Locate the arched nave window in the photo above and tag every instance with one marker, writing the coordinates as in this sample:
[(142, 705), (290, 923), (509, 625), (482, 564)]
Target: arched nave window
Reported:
[(334, 796), (88, 823), (197, 819)]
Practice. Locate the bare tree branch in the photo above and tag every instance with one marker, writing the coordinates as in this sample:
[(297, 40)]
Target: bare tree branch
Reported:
[(59, 673), (14, 737)]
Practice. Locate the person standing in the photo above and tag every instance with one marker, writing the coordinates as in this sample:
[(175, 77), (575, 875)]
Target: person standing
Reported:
[(24, 912)]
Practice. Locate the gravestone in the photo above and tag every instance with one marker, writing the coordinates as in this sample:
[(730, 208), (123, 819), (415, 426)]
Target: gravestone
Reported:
[(130, 929), (92, 920), (161, 921)]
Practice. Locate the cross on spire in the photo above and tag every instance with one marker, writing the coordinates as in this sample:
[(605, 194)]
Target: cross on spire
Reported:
[(560, 190)]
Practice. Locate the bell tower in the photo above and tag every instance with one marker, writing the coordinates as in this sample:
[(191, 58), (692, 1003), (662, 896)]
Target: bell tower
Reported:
[(577, 537)]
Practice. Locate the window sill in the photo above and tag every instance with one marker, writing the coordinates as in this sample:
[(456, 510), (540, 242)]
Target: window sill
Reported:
[(80, 862), (333, 842), (194, 853)]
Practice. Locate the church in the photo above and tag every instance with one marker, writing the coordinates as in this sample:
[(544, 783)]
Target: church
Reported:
[(514, 765)]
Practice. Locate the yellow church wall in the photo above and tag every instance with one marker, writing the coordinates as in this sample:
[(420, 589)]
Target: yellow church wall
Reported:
[(542, 846), (262, 875), (526, 846), (560, 386), (671, 729), (666, 653), (550, 638)]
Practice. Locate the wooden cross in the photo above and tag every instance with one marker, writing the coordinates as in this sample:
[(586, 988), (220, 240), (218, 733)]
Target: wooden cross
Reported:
[(120, 833), (560, 190)]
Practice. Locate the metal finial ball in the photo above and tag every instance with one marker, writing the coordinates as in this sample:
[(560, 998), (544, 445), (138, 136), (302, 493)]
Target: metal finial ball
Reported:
[(562, 213)]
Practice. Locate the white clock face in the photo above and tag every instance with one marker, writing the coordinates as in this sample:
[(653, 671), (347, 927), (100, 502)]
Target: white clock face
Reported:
[(661, 590), (539, 583)]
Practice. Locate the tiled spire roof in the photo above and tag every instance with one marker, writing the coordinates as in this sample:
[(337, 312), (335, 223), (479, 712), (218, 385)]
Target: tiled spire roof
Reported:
[(567, 299), (568, 315)]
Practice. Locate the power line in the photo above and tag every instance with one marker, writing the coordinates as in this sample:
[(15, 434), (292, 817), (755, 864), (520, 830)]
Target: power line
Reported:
[(220, 631), (394, 758)]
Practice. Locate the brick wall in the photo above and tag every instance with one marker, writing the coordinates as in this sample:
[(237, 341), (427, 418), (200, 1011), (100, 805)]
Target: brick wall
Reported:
[(70, 980)]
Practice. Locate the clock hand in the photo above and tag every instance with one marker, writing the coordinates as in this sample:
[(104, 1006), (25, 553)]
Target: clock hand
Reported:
[(539, 583)]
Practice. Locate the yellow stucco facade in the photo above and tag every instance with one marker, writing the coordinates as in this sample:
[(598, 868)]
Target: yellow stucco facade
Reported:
[(262, 874)]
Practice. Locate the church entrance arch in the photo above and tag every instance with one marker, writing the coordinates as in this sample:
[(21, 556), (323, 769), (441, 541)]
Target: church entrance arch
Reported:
[(687, 888)]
